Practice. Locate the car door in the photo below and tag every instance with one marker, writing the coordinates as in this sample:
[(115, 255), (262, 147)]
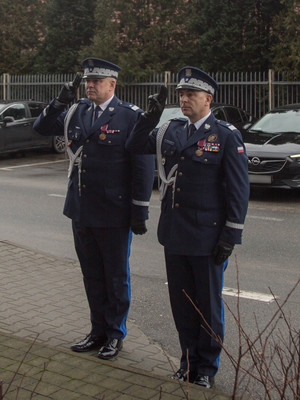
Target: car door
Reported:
[(35, 109), (16, 132)]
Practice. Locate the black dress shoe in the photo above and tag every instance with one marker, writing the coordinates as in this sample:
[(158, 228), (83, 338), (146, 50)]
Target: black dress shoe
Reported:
[(183, 375), (88, 343), (204, 381), (110, 349)]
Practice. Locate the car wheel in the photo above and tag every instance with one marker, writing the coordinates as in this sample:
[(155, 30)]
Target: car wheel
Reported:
[(59, 145)]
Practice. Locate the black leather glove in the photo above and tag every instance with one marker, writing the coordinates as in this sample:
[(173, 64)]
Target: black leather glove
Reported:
[(156, 104), (68, 92), (222, 251), (138, 227)]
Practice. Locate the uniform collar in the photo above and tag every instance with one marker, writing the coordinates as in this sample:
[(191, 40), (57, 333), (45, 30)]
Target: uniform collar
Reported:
[(104, 105), (201, 121)]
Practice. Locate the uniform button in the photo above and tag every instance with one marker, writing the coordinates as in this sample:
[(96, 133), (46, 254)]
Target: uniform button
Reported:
[(215, 223), (180, 174), (177, 205), (84, 171), (178, 190), (109, 141), (182, 158), (165, 151), (205, 159), (83, 187), (172, 152), (120, 197), (87, 141), (84, 156)]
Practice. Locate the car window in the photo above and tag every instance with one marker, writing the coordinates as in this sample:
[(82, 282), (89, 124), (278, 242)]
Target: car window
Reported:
[(17, 111), (278, 122), (233, 114), (219, 114), (244, 115), (35, 109)]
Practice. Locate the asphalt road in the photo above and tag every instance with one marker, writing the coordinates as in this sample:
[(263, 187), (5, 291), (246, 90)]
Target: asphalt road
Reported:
[(266, 264)]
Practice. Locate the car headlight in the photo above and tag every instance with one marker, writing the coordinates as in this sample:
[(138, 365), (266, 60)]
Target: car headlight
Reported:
[(295, 158)]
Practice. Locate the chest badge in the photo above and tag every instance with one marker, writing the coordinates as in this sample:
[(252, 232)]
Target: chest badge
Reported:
[(212, 138)]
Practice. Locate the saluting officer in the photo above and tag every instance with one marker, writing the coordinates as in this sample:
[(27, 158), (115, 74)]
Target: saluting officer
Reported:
[(108, 195), (204, 188)]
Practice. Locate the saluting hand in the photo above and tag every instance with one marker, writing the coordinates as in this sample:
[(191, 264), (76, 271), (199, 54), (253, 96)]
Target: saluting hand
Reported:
[(68, 91), (156, 104)]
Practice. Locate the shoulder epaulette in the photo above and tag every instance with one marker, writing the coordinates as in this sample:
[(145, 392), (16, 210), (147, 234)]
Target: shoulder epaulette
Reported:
[(227, 125), (131, 106), (181, 119), (84, 100)]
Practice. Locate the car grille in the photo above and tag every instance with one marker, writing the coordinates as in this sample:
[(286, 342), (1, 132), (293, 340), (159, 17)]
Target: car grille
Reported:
[(265, 166)]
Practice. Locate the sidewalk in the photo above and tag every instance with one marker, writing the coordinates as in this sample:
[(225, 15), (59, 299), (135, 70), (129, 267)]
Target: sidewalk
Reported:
[(43, 309)]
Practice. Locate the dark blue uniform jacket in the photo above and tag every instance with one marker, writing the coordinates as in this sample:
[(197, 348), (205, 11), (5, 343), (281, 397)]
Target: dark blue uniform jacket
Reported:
[(210, 197), (115, 185)]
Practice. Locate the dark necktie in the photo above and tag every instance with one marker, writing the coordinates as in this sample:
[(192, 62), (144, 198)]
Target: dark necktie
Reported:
[(191, 130), (97, 113)]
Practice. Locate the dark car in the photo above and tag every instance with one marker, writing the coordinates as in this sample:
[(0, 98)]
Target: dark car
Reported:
[(235, 115), (16, 133), (273, 148)]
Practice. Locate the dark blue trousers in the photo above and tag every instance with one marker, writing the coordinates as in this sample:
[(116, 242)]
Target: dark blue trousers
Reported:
[(103, 254), (202, 280)]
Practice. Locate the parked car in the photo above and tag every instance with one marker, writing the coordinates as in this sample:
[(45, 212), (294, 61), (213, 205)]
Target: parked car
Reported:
[(16, 132), (273, 148), (235, 115)]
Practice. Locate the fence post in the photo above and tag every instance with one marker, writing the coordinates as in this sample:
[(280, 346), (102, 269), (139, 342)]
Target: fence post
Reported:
[(167, 80), (6, 87), (271, 89)]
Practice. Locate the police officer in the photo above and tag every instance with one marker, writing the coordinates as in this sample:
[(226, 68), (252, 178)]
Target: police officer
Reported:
[(108, 195), (204, 189)]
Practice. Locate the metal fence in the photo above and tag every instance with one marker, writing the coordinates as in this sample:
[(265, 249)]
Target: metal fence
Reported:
[(255, 92)]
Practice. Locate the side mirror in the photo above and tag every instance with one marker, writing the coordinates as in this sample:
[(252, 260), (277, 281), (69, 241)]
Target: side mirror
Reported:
[(6, 120)]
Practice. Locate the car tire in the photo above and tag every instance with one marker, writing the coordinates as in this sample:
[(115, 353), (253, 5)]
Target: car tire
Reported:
[(59, 145)]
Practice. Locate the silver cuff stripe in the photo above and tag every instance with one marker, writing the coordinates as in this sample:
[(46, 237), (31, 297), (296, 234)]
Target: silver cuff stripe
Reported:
[(234, 226), (140, 203)]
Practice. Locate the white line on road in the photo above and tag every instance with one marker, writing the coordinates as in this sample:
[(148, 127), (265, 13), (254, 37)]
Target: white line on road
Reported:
[(31, 165), (267, 298), (56, 195), (265, 218)]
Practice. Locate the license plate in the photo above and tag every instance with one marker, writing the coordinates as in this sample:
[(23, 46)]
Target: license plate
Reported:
[(260, 178)]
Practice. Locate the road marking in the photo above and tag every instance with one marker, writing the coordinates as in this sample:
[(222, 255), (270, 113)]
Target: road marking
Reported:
[(56, 195), (266, 298), (243, 294), (30, 165), (265, 218)]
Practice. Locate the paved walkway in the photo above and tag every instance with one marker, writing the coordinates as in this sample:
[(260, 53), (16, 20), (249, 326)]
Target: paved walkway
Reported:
[(43, 310)]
